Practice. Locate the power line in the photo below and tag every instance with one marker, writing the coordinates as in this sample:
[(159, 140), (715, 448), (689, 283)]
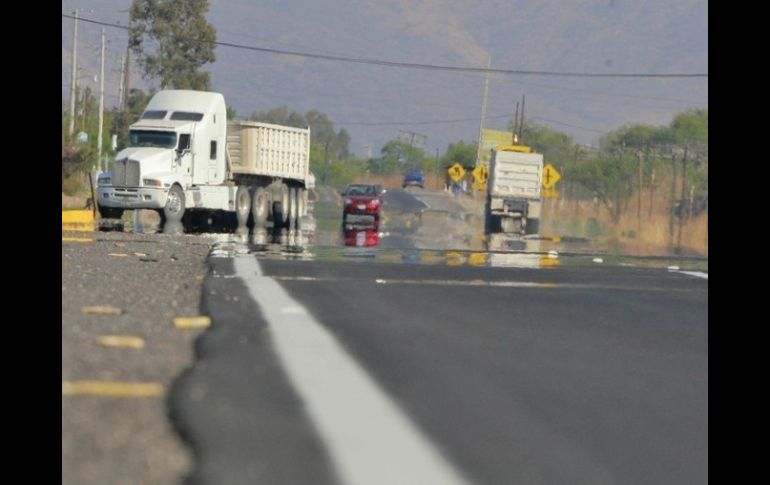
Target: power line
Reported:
[(433, 67), (395, 123), (566, 124)]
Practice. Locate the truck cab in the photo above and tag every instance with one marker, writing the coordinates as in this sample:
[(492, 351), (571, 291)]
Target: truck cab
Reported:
[(178, 144)]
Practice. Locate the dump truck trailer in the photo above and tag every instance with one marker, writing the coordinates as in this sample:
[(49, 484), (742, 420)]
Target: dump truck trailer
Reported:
[(513, 199)]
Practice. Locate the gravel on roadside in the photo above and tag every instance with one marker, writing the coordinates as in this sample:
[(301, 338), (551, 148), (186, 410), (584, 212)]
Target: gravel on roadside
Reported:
[(138, 283)]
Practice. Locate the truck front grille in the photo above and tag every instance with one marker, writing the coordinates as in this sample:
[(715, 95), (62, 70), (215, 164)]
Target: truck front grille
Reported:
[(125, 173)]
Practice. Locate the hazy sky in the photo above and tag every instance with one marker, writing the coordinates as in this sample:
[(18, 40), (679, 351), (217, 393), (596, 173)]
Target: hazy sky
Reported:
[(376, 103)]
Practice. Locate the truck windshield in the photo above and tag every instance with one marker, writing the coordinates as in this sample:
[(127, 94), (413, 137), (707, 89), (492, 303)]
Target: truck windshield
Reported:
[(145, 138)]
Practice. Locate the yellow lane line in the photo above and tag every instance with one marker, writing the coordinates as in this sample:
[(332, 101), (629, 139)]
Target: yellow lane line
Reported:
[(111, 389), (76, 239), (121, 341), (101, 310), (192, 322)]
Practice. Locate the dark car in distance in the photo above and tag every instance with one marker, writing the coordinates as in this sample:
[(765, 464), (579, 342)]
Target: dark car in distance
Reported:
[(362, 200), (413, 176)]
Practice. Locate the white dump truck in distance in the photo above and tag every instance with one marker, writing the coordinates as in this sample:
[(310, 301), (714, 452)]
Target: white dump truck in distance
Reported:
[(513, 191), (185, 159)]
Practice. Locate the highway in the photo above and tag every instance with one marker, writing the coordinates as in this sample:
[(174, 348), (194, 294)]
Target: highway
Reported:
[(432, 362)]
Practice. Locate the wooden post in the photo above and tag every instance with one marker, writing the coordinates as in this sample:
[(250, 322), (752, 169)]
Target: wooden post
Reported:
[(671, 203), (639, 198), (652, 190), (684, 185)]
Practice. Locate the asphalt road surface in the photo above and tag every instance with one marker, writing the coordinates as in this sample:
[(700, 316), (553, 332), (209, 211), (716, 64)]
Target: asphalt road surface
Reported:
[(494, 375), (392, 364)]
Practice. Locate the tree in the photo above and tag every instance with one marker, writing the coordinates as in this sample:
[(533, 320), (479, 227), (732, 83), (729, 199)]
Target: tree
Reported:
[(460, 152), (610, 176), (172, 41), (690, 128), (557, 148), (136, 101)]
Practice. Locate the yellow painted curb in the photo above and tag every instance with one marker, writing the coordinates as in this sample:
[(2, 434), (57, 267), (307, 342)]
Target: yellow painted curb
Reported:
[(77, 220), (76, 239), (121, 341), (111, 389), (192, 322), (101, 310)]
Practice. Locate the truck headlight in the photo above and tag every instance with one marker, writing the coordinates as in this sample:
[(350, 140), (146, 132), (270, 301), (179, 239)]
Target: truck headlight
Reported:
[(151, 182), (104, 180)]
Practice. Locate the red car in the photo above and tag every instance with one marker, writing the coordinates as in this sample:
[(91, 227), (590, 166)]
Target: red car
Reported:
[(362, 200), (361, 236)]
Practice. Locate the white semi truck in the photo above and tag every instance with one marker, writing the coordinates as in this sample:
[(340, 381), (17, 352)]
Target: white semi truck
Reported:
[(513, 191), (188, 162)]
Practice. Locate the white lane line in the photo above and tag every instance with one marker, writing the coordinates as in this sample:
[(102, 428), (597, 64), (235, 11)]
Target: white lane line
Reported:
[(370, 440), (697, 274)]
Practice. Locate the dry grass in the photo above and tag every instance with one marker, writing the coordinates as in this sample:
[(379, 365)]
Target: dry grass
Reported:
[(432, 181), (645, 232)]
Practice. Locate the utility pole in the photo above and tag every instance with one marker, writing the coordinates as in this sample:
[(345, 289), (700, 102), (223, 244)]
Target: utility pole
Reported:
[(412, 134), (521, 123), (101, 106), (120, 84), (515, 138), (126, 82), (73, 82), (483, 109)]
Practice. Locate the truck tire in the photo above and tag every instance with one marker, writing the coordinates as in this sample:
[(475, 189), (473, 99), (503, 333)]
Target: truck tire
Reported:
[(110, 212), (259, 207), (174, 209), (293, 209), (533, 226), (242, 205), (281, 217), (301, 204)]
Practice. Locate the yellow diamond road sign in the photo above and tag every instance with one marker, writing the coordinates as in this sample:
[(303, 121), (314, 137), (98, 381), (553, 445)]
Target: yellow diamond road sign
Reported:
[(550, 176), (481, 173), (457, 172)]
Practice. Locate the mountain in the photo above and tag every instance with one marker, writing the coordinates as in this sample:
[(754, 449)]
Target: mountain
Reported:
[(597, 36)]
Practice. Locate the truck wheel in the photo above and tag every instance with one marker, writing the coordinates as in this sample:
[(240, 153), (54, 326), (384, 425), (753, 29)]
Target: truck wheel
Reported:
[(174, 209), (293, 209), (110, 212), (259, 207), (242, 205), (301, 206), (533, 226), (281, 207)]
